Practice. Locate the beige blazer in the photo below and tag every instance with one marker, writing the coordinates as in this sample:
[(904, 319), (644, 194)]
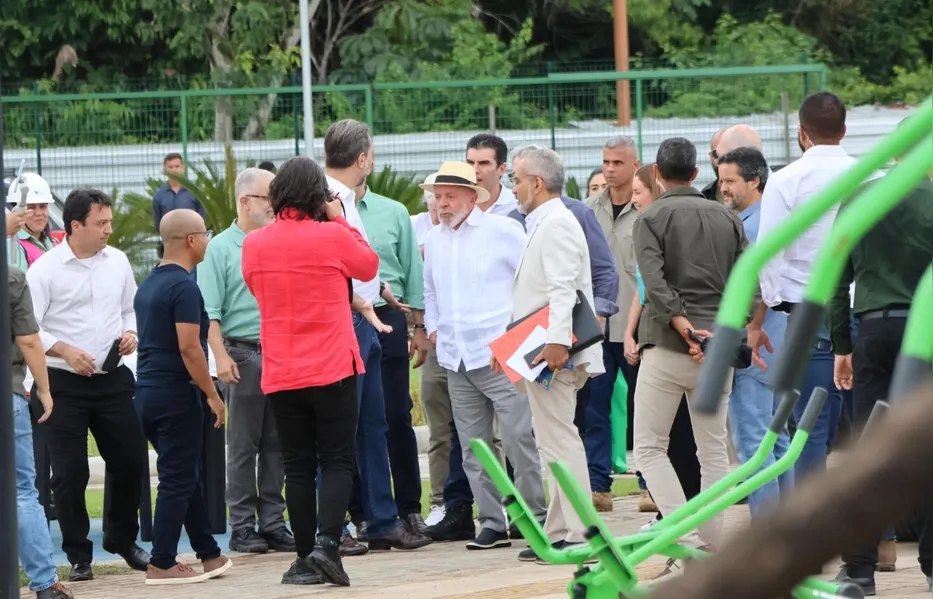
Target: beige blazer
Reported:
[(554, 265)]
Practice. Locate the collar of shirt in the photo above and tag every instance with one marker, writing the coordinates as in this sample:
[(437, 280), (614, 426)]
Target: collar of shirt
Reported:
[(343, 192), (680, 190), (506, 196), (820, 151), (750, 211), (538, 214), (27, 236), (237, 233), (67, 254)]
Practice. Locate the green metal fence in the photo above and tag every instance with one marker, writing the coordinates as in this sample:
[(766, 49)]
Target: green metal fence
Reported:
[(112, 140)]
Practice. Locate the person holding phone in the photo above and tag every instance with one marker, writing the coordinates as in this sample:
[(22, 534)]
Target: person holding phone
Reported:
[(298, 268), (32, 196)]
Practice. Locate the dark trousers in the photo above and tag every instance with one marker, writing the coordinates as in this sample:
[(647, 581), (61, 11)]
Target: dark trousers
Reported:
[(874, 354), (317, 428), (682, 451), (403, 446), (457, 492), (103, 404), (173, 421)]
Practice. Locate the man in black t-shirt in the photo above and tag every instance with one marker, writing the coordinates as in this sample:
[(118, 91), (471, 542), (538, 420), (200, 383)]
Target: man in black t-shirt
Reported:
[(172, 376)]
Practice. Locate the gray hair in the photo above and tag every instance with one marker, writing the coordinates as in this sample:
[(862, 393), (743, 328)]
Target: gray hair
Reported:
[(247, 180), (344, 142), (545, 163), (621, 141)]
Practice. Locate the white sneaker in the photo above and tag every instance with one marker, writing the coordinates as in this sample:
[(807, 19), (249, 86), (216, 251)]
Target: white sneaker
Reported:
[(648, 526), (436, 515)]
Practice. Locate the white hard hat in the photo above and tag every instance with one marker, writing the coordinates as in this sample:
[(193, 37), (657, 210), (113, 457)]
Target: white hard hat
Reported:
[(38, 191)]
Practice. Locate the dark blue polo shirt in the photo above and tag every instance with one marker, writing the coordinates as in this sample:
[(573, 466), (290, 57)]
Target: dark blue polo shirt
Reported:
[(165, 200), (167, 296)]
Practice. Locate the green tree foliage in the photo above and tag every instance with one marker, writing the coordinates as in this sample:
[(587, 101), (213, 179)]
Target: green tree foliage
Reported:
[(398, 186)]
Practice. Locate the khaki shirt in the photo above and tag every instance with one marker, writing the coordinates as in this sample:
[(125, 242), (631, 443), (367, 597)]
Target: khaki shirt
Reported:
[(686, 247), (22, 323), (619, 233)]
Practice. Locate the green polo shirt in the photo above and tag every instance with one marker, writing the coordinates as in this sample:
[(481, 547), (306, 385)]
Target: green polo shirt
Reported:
[(388, 226), (20, 260), (226, 297)]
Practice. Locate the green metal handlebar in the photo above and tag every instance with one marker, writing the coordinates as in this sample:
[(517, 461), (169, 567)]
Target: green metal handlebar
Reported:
[(741, 285)]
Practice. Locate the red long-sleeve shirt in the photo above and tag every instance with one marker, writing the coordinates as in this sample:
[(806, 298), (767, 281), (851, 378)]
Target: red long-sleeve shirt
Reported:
[(298, 270)]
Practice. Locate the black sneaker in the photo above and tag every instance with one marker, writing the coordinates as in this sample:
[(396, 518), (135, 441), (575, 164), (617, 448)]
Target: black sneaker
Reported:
[(867, 584), (325, 559), (529, 555), (457, 525), (301, 573), (280, 540), (489, 539), (247, 540)]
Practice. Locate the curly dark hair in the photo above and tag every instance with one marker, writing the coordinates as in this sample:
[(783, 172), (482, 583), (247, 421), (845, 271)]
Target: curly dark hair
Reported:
[(300, 185)]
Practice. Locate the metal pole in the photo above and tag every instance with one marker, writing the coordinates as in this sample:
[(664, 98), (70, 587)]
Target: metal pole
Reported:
[(306, 76), (620, 41), (9, 544)]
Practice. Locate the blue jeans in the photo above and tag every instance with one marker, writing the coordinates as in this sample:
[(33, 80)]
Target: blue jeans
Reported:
[(597, 433), (819, 373), (374, 486), (751, 408), (35, 543), (173, 421)]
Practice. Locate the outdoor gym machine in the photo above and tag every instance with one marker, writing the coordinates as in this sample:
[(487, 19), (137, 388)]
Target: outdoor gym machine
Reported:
[(852, 225)]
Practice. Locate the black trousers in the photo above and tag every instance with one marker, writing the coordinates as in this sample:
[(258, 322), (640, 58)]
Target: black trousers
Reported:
[(874, 355), (103, 404), (317, 428), (403, 445)]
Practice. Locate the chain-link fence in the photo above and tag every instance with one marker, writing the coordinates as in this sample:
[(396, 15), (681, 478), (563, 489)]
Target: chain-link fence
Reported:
[(117, 140)]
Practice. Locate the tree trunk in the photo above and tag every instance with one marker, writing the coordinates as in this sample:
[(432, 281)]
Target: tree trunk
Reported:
[(221, 65)]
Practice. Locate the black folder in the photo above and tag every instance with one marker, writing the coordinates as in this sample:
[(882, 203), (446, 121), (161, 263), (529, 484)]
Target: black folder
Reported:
[(585, 327)]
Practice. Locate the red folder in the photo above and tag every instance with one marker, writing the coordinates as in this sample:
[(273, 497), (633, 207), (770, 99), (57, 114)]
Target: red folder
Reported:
[(505, 346)]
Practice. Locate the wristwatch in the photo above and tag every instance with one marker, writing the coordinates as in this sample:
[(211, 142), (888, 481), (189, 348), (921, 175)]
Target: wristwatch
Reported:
[(382, 288)]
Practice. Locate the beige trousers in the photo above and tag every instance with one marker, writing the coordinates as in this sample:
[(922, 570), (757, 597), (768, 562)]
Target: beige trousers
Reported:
[(663, 378), (558, 440)]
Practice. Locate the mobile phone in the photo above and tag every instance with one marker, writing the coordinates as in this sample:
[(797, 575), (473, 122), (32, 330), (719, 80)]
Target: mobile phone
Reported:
[(113, 357), (697, 340)]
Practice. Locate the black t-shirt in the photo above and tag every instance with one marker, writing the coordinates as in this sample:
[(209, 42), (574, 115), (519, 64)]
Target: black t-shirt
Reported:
[(167, 296), (617, 210)]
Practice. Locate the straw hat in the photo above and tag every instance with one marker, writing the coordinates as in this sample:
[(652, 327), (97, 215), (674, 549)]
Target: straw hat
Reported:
[(458, 174)]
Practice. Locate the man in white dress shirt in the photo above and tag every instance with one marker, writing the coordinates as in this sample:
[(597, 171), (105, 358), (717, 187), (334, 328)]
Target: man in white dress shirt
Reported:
[(471, 262), (554, 267), (82, 294), (348, 157), (822, 127), (488, 155)]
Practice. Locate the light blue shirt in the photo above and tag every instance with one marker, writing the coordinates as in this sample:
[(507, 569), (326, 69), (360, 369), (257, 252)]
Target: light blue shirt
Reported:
[(751, 218), (641, 286)]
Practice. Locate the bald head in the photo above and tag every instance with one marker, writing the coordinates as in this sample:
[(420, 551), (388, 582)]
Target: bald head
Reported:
[(714, 140), (177, 225), (740, 136)]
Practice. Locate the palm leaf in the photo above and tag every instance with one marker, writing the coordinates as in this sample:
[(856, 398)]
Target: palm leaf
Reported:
[(399, 187), (573, 189)]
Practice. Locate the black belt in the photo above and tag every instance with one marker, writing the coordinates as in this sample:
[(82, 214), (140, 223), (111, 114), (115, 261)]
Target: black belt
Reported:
[(785, 307), (243, 344), (892, 313), (383, 309)]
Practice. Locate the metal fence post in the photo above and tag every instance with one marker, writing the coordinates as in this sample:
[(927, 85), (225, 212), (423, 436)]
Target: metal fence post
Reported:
[(368, 94), (38, 124), (805, 59), (295, 115), (823, 73), (184, 127), (552, 113), (9, 555), (639, 113)]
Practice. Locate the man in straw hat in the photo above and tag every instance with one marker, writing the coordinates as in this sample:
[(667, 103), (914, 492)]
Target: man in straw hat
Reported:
[(470, 263)]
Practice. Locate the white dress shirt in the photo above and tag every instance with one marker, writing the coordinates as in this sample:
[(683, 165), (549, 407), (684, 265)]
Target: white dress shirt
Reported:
[(505, 203), (368, 290), (422, 225), (86, 303), (468, 276), (783, 279)]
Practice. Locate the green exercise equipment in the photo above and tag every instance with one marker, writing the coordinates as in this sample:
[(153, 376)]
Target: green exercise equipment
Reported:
[(613, 574), (618, 418)]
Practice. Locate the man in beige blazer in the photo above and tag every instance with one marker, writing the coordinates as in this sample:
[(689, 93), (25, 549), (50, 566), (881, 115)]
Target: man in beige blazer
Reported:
[(554, 265)]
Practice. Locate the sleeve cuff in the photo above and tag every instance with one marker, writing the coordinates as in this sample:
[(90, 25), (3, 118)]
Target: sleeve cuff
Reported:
[(841, 346), (559, 337), (605, 307)]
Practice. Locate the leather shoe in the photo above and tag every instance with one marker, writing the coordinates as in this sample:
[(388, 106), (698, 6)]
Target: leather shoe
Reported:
[(56, 591), (350, 547), (398, 537), (80, 572), (867, 584), (415, 523), (135, 556)]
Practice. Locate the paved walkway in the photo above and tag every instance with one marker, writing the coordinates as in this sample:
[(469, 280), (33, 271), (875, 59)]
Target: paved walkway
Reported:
[(444, 571)]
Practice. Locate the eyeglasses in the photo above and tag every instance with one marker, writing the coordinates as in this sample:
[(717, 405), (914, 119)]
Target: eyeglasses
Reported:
[(714, 154), (207, 235)]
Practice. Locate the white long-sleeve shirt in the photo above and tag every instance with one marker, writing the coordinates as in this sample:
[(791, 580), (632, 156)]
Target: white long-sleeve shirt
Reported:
[(86, 303), (468, 276), (368, 290), (783, 279)]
